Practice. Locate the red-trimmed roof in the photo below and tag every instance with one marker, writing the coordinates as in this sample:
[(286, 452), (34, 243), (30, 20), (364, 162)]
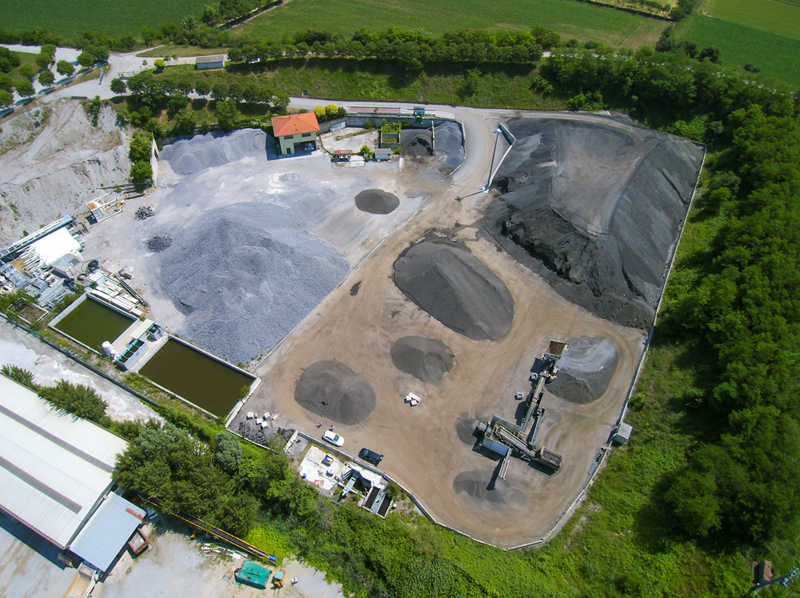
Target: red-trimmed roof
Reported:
[(295, 123)]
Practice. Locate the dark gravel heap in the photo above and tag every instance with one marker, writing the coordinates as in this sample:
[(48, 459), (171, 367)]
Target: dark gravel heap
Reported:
[(596, 208), (456, 288), (333, 391), (424, 358), (375, 201), (159, 242), (143, 213), (585, 370)]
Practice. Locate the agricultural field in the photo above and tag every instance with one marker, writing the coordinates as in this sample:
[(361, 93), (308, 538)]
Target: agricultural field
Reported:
[(775, 16), (569, 18), (103, 16), (776, 55)]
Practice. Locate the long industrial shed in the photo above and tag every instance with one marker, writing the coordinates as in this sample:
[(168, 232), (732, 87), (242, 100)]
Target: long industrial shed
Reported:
[(55, 477)]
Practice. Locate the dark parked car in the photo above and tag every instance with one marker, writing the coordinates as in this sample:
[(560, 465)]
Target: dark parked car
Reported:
[(370, 456)]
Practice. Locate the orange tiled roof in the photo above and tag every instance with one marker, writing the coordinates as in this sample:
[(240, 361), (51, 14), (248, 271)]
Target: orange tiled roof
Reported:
[(295, 123)]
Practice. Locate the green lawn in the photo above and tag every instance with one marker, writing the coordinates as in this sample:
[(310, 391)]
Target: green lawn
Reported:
[(112, 17), (776, 55), (568, 17), (775, 16)]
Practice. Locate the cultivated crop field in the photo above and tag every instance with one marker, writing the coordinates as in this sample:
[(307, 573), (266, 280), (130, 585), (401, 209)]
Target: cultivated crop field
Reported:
[(567, 17), (776, 55), (774, 16), (102, 16)]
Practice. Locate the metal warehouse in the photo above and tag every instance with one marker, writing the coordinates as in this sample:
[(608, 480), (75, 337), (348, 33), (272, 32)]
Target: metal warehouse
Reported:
[(55, 471)]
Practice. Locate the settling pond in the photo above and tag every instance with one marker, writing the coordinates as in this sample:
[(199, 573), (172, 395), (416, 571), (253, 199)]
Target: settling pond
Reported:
[(91, 323), (196, 377)]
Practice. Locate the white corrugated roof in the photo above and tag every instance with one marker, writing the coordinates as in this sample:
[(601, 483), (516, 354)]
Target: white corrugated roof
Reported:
[(56, 245), (54, 467), (107, 532)]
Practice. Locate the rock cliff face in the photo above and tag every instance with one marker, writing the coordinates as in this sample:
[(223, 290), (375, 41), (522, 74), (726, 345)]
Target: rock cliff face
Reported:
[(596, 207)]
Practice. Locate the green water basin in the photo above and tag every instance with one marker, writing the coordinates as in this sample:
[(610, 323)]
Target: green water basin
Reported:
[(93, 323), (196, 377)]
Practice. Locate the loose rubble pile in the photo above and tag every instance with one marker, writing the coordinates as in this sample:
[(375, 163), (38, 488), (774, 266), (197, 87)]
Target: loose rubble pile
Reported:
[(143, 213), (159, 242)]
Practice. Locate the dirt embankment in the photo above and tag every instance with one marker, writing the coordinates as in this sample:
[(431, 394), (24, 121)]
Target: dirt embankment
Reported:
[(596, 208)]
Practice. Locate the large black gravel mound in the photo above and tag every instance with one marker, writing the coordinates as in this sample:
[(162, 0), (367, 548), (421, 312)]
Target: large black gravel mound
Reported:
[(376, 201), (332, 390), (595, 207), (456, 288), (423, 358)]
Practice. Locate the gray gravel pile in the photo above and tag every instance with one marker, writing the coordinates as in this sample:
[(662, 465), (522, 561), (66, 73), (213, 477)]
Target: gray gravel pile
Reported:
[(596, 208), (332, 390), (585, 370), (456, 288), (245, 275), (159, 242), (416, 143), (376, 201), (424, 358), (450, 144), (187, 156)]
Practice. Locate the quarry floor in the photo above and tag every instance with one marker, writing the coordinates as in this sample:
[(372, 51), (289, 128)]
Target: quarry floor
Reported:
[(421, 445)]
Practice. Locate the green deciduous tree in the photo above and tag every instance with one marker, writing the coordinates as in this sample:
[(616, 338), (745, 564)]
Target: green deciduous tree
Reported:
[(185, 122), (24, 87), (6, 98), (141, 173), (46, 78), (227, 114), (85, 59), (229, 452), (118, 86), (27, 70), (65, 68)]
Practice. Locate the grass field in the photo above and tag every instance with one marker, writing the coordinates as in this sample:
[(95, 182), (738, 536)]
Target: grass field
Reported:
[(568, 17), (775, 54), (111, 17), (775, 16)]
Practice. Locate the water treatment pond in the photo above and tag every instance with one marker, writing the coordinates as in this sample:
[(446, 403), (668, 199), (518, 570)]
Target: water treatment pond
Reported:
[(93, 323), (196, 377)]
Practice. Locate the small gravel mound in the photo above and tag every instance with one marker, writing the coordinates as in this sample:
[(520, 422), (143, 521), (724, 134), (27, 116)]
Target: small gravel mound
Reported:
[(332, 390), (159, 242), (143, 213), (424, 358), (456, 288), (187, 156), (376, 201), (585, 370)]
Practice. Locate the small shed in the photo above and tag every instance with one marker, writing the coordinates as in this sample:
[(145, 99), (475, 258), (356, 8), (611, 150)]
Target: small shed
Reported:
[(383, 154), (215, 61), (622, 433)]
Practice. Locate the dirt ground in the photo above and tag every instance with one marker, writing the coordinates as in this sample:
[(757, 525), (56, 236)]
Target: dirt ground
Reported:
[(422, 447)]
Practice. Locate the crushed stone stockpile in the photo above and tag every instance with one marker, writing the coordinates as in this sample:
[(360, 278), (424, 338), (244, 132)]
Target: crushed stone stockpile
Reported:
[(376, 201), (448, 145), (187, 156), (159, 242), (332, 390), (424, 358), (245, 276), (596, 207), (456, 288), (585, 370)]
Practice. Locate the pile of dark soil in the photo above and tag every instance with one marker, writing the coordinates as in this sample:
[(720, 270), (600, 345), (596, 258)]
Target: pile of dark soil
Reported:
[(332, 390), (423, 358), (376, 201), (585, 369), (159, 242), (595, 206), (456, 288)]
